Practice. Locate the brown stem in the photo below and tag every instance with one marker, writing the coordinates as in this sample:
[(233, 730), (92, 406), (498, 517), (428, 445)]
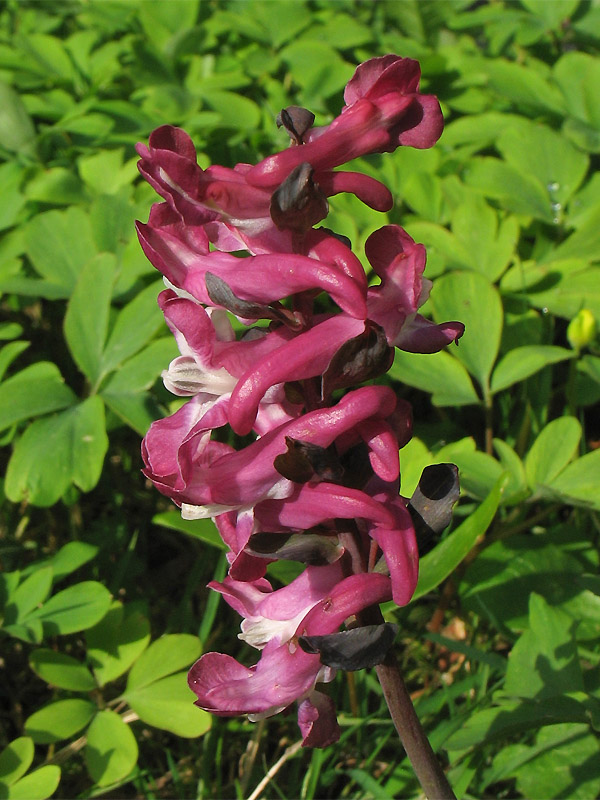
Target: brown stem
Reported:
[(352, 694), (489, 427), (424, 762)]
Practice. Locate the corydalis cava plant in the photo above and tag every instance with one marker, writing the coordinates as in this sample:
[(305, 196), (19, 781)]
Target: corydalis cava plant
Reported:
[(320, 481)]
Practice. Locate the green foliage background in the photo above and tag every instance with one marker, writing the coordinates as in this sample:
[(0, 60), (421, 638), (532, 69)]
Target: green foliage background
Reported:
[(102, 590)]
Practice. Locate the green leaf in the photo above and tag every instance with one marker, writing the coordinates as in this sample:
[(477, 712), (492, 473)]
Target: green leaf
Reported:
[(136, 410), (161, 23), (512, 718), (582, 243), (343, 31), (489, 246), (59, 720), (58, 450), (39, 784), (437, 565), (202, 529), (35, 390), (499, 582), (164, 656), (470, 298), (74, 609), (111, 752), (582, 135), (439, 373), (70, 557), (578, 483), (61, 670), (440, 242), (17, 132), (15, 759), (235, 110), (414, 457), (317, 67), (563, 287), (477, 129), (423, 192), (563, 751), (57, 185), (516, 488), (30, 631), (283, 28), (519, 193), (141, 371), (86, 123), (370, 786), (86, 320), (104, 171), (520, 363), (554, 14), (577, 74), (135, 326), (29, 594), (544, 662), (555, 446), (478, 471), (525, 87), (59, 244), (495, 661), (8, 583), (9, 353), (112, 217), (10, 330), (32, 287), (169, 704), (114, 643), (539, 151), (13, 200), (46, 55)]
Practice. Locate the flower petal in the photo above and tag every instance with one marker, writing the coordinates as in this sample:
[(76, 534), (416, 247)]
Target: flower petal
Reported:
[(305, 356), (317, 721)]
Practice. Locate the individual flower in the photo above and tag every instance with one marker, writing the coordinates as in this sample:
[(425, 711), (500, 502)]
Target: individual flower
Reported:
[(393, 304), (384, 109), (316, 603)]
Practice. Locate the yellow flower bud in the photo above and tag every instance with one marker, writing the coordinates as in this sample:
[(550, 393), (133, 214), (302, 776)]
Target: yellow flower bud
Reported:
[(582, 329)]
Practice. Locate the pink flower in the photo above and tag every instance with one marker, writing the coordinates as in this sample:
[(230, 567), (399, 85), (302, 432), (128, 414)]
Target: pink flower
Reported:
[(383, 110), (267, 278), (319, 482), (285, 673), (224, 195), (393, 304), (213, 478)]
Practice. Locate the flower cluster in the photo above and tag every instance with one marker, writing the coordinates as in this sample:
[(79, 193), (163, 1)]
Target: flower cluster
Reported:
[(319, 482)]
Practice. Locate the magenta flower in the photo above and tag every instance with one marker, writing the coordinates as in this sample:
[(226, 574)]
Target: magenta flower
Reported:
[(393, 304), (224, 195), (213, 478), (383, 110), (185, 262), (318, 478), (316, 603)]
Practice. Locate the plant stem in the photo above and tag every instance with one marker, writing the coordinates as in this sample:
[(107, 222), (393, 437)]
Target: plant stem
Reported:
[(424, 762), (489, 423), (416, 744)]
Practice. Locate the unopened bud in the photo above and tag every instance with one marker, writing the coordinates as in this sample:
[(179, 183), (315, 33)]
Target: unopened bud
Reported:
[(582, 329), (296, 121), (298, 203)]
